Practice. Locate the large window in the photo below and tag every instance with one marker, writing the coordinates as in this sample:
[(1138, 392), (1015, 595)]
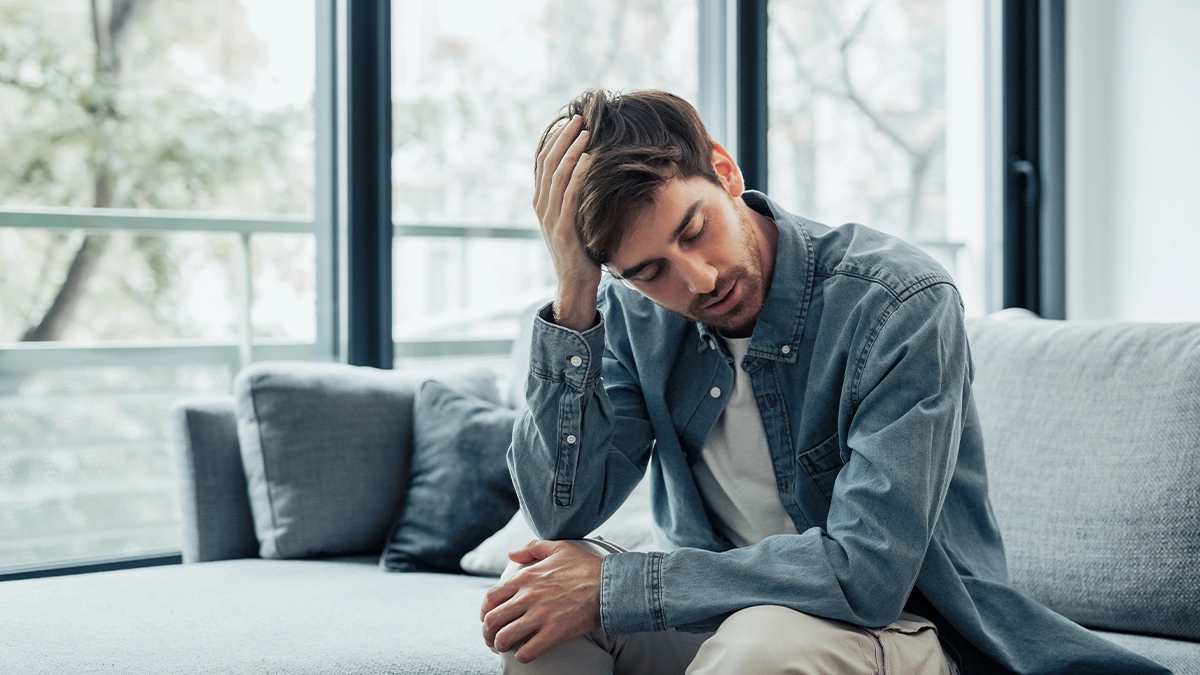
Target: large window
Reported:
[(876, 117), (155, 154), (157, 195), (474, 85)]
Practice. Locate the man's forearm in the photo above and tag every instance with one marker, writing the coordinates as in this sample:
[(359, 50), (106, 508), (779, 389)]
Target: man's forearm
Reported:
[(564, 459)]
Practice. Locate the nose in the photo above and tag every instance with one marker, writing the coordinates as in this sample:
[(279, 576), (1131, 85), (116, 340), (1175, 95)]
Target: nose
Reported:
[(700, 277)]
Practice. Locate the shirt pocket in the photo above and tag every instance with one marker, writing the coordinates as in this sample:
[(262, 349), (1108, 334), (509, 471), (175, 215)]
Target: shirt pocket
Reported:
[(822, 464)]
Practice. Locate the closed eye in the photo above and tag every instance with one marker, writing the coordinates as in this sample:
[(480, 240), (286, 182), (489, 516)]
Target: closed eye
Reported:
[(649, 273), (699, 232)]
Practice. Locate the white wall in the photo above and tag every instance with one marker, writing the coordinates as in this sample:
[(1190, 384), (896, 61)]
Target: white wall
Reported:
[(1133, 160)]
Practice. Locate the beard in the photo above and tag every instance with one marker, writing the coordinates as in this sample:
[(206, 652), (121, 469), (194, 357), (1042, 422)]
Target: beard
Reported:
[(748, 274)]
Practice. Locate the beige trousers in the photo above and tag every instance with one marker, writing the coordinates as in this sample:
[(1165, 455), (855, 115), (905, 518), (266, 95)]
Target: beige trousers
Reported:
[(759, 640)]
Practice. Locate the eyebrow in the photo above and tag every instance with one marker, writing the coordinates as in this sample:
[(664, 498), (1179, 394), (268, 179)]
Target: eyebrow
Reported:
[(683, 223)]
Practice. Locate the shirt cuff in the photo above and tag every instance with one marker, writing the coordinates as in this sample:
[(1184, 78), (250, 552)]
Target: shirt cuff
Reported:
[(558, 353), (631, 593)]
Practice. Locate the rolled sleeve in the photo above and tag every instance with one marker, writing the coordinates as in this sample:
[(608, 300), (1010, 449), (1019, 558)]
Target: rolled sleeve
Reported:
[(563, 355), (631, 593)]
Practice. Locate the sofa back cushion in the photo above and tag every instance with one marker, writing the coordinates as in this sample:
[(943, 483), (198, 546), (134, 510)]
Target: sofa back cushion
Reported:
[(1092, 432), (326, 450)]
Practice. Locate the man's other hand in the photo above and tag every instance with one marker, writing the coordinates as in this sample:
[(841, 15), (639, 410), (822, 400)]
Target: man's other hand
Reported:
[(553, 599)]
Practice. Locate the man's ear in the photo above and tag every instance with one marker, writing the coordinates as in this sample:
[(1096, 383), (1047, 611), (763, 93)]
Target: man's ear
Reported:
[(727, 171)]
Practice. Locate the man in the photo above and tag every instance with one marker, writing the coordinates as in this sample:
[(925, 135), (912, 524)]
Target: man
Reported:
[(801, 398)]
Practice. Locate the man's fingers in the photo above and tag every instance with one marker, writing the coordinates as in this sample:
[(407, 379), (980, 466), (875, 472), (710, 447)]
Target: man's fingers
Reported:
[(498, 618), (551, 161), (515, 632), (555, 207), (533, 552), (538, 197), (496, 596), (550, 139), (537, 644), (571, 195)]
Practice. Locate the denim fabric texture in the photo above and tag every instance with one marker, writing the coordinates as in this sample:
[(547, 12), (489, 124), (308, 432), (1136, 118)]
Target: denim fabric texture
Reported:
[(862, 373), (460, 491)]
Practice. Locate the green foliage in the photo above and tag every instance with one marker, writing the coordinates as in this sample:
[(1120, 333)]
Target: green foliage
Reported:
[(170, 129)]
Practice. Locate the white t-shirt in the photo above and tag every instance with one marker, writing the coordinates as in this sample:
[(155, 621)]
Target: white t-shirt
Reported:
[(734, 472)]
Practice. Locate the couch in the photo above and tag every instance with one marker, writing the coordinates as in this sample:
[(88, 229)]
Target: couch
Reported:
[(1093, 433)]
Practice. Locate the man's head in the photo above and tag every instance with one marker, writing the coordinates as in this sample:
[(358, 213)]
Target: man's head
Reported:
[(660, 207)]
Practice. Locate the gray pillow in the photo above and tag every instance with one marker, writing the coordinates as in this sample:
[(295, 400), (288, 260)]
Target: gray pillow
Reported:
[(460, 492), (325, 449)]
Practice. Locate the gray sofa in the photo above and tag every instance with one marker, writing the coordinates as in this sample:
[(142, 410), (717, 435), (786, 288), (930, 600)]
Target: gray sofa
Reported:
[(1093, 433)]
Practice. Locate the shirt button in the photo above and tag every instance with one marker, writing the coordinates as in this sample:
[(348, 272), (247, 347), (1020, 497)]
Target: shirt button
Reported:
[(715, 392), (571, 439), (786, 349), (576, 361), (712, 344)]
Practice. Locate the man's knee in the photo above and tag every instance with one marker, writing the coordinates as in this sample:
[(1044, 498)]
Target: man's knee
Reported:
[(771, 639)]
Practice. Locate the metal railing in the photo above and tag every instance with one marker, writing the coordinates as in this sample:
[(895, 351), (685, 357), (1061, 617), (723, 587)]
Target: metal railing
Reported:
[(22, 357), (20, 361), (59, 508)]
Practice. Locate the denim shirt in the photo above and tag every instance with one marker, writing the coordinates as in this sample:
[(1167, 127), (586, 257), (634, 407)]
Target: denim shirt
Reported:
[(862, 373)]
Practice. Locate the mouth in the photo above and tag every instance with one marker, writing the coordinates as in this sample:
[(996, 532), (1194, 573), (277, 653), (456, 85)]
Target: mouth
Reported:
[(725, 301)]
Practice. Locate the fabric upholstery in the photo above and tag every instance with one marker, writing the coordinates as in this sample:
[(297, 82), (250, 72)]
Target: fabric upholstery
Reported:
[(245, 616), (1092, 432), (214, 507), (325, 450), (1183, 658), (459, 492)]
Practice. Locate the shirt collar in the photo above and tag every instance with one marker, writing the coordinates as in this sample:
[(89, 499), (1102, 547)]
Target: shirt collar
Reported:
[(781, 322)]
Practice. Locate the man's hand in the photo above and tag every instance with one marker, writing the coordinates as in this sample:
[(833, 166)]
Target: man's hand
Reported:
[(555, 598), (561, 166)]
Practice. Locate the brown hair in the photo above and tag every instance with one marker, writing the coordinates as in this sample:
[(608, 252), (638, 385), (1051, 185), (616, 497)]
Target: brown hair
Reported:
[(639, 141)]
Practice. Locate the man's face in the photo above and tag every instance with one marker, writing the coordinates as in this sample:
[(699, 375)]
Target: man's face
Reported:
[(694, 252)]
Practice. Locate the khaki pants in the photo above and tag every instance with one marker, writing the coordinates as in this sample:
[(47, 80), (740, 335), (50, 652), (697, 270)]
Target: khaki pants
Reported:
[(754, 641)]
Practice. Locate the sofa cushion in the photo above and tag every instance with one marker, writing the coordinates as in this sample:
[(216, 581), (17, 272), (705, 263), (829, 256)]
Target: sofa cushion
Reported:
[(325, 449), (1092, 433), (245, 616), (459, 492), (1183, 658)]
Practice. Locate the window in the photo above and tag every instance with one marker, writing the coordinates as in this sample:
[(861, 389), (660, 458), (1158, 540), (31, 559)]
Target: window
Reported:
[(876, 116), (474, 85), (152, 157)]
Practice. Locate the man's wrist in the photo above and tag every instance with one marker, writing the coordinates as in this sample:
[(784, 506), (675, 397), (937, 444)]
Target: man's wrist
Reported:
[(576, 311)]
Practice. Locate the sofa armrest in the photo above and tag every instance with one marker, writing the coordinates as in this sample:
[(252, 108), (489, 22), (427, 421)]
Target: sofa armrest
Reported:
[(215, 509)]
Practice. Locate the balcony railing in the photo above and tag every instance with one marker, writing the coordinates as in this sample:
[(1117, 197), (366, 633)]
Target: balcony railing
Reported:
[(245, 226), (84, 470)]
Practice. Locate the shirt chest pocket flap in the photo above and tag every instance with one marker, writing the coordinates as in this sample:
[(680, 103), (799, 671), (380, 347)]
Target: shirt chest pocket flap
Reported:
[(822, 463)]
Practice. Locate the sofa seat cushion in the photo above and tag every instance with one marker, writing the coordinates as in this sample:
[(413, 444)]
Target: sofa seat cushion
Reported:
[(243, 616), (1182, 657)]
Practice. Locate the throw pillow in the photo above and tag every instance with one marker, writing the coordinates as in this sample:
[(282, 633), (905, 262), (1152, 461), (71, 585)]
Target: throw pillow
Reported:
[(631, 527), (459, 491), (325, 450)]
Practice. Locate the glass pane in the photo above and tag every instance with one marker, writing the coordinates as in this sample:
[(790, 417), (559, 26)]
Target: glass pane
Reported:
[(139, 166), (474, 85), (866, 116)]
